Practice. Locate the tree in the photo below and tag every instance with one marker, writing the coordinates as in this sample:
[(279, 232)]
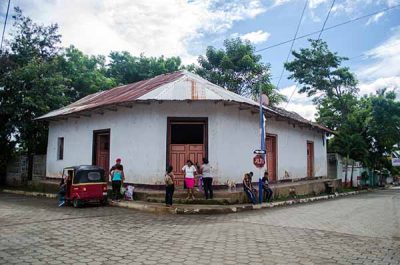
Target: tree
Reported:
[(333, 87), (31, 85), (125, 68), (31, 40), (83, 74), (351, 144), (238, 69), (334, 92), (383, 126)]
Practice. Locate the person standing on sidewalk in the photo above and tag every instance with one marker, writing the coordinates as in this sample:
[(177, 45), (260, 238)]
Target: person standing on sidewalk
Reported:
[(207, 179), (190, 171), (115, 184), (169, 186), (117, 177)]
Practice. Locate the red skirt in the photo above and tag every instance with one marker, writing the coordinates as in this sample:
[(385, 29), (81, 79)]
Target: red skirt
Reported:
[(189, 183)]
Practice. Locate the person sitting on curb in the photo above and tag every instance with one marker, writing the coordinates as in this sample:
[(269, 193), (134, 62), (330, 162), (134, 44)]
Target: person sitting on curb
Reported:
[(62, 190), (248, 189), (267, 190)]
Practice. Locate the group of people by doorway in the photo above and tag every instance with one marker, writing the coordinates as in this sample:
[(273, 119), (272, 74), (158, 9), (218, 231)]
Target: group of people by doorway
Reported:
[(190, 171)]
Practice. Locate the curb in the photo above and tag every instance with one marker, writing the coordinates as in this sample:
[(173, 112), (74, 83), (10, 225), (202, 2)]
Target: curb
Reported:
[(192, 209), (31, 193)]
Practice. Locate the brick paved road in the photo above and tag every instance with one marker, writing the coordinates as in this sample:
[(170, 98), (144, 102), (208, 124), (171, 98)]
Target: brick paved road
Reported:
[(363, 229)]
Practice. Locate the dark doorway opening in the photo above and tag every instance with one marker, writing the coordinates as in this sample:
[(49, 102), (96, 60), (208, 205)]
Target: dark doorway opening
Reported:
[(187, 133)]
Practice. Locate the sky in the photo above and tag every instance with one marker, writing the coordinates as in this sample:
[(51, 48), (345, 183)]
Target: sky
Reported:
[(186, 27)]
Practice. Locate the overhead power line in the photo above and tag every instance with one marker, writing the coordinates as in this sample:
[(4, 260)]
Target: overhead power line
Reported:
[(328, 28), (4, 28), (291, 46), (319, 36), (326, 19)]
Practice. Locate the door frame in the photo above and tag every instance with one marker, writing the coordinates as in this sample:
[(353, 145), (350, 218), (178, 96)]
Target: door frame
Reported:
[(94, 144), (276, 154), (186, 120), (312, 159)]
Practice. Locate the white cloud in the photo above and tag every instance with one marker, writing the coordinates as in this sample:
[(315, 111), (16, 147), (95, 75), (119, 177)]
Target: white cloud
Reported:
[(307, 111), (155, 28), (299, 103), (391, 83), (385, 59), (375, 18), (312, 4), (280, 2), (355, 8), (254, 37)]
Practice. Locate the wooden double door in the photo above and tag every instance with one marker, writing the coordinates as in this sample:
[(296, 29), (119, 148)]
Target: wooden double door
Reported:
[(187, 140)]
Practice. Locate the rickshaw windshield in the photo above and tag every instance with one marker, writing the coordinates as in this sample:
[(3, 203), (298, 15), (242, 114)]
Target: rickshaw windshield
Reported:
[(88, 177)]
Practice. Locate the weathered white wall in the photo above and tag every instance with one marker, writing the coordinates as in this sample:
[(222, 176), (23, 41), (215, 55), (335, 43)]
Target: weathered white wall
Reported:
[(138, 136), (292, 149)]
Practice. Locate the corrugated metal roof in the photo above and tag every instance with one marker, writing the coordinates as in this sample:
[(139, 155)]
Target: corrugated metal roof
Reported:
[(180, 85), (177, 86), (117, 95), (296, 117)]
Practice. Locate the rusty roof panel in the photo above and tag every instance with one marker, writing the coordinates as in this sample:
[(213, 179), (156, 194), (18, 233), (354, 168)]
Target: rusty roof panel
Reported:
[(121, 94)]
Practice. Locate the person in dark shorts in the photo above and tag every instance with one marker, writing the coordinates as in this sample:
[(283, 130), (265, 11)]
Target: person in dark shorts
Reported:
[(205, 169), (117, 177), (248, 189), (169, 186)]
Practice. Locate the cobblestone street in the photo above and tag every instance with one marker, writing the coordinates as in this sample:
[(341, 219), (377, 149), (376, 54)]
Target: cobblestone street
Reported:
[(363, 229)]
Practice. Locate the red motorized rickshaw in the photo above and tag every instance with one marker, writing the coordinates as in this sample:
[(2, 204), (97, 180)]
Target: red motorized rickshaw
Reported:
[(85, 184)]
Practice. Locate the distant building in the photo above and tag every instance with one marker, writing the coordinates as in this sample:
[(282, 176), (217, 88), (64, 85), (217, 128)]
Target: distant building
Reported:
[(174, 117)]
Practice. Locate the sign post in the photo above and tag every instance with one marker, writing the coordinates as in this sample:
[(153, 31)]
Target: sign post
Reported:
[(259, 162), (262, 144)]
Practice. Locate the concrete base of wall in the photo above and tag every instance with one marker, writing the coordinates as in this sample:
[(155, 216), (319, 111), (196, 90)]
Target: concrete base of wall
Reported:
[(307, 187), (221, 195)]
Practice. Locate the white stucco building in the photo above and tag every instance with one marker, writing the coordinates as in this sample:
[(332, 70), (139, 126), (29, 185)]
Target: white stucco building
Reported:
[(171, 118)]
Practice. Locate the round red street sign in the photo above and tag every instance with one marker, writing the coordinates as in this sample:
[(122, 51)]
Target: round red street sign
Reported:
[(258, 161)]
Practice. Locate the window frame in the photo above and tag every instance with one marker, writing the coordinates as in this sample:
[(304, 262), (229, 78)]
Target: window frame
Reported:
[(60, 148)]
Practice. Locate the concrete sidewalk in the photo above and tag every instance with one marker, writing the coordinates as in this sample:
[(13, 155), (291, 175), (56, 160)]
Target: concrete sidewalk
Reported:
[(198, 208)]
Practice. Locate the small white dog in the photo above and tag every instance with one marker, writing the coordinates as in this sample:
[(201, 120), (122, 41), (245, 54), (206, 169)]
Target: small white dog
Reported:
[(231, 185)]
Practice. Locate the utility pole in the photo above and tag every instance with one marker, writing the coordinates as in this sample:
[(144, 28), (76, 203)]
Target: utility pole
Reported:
[(262, 146)]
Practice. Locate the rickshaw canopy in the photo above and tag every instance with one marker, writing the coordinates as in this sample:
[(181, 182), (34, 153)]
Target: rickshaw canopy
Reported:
[(86, 174)]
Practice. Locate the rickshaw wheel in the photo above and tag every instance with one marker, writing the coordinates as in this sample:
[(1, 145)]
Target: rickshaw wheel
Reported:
[(76, 203)]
